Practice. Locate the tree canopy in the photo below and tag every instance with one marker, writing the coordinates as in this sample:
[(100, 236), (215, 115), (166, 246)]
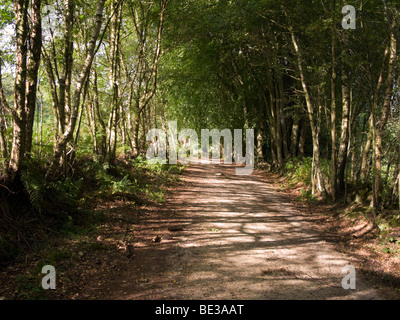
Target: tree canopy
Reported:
[(91, 78)]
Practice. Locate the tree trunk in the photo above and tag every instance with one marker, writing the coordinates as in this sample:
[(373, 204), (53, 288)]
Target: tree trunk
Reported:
[(310, 110), (32, 72), (302, 140), (333, 120), (367, 148), (114, 71), (344, 138), (3, 123), (295, 137), (19, 112), (383, 120), (102, 145), (68, 133)]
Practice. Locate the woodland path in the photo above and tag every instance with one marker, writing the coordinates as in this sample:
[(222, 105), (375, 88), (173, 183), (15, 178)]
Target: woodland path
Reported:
[(225, 236)]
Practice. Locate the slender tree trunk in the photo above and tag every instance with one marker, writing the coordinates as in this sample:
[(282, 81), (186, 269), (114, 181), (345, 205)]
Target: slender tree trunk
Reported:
[(367, 148), (102, 145), (295, 136), (302, 139), (3, 123), (310, 109), (135, 136), (147, 80), (344, 138), (92, 121), (114, 62), (19, 112), (281, 116), (333, 120), (69, 130), (395, 180), (35, 48), (353, 153), (260, 139), (383, 120), (278, 131)]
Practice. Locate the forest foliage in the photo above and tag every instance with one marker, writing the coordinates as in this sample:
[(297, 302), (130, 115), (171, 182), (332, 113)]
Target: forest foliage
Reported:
[(83, 81)]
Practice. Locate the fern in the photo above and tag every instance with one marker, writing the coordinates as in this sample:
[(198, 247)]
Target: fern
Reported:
[(34, 188), (122, 186)]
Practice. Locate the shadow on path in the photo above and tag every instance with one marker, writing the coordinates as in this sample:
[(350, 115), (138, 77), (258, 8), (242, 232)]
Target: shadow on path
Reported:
[(233, 237)]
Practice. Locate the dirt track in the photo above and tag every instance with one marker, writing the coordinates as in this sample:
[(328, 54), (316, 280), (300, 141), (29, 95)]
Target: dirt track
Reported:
[(231, 237)]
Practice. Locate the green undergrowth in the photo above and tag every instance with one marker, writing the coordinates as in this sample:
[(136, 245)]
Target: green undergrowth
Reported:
[(297, 173), (355, 204), (66, 207)]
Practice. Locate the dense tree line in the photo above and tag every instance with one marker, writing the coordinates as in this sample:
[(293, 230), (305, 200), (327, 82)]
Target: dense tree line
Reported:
[(90, 78), (309, 86)]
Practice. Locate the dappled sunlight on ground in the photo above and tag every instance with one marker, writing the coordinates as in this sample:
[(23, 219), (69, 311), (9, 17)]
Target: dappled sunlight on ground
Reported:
[(239, 239)]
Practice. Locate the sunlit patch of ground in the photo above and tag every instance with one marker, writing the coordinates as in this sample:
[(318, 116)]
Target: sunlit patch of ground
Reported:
[(240, 240)]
